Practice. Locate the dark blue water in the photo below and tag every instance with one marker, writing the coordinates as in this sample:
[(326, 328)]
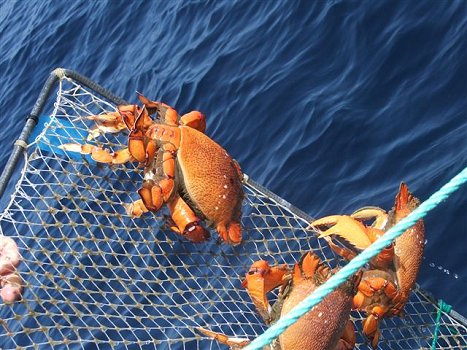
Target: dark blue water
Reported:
[(329, 104)]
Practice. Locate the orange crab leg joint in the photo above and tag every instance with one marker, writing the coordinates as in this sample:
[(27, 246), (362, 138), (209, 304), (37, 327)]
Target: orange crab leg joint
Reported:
[(260, 279), (99, 154), (348, 338), (168, 163), (136, 209), (234, 343), (151, 195), (371, 330), (136, 146), (195, 120), (309, 264), (273, 275), (128, 115), (342, 251), (187, 223), (358, 300), (168, 114), (230, 233), (151, 150), (167, 187)]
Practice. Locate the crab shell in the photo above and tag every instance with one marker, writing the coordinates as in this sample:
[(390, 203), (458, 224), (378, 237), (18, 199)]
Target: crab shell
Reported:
[(209, 179), (322, 327), (408, 248)]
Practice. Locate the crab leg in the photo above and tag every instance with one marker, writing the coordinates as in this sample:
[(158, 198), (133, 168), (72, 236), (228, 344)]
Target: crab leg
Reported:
[(166, 113), (348, 338), (136, 209), (356, 233), (260, 280), (234, 343), (346, 253), (114, 122), (185, 221), (344, 226), (371, 325), (106, 123), (155, 190), (137, 140), (193, 119), (379, 216), (99, 154)]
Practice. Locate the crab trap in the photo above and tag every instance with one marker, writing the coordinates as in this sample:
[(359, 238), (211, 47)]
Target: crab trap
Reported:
[(96, 278)]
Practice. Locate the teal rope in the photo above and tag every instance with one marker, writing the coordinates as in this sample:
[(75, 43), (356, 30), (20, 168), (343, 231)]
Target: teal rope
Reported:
[(443, 307), (356, 263)]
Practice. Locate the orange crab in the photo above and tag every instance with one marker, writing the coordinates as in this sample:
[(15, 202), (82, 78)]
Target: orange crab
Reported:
[(325, 327), (386, 285), (183, 168)]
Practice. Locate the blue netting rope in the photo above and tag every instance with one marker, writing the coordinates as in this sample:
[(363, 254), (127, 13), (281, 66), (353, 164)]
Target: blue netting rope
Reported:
[(349, 269)]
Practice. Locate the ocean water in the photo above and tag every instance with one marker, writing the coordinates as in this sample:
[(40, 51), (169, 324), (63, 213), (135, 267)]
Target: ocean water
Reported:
[(329, 104)]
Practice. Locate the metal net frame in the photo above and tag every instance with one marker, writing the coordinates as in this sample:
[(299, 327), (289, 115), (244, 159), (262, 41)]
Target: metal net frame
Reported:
[(96, 278)]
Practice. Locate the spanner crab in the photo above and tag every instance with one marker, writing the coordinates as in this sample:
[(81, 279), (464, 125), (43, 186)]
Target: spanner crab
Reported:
[(386, 284), (326, 327), (183, 168)]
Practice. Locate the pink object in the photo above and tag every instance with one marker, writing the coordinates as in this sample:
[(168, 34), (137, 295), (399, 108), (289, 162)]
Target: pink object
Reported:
[(9, 255), (12, 288)]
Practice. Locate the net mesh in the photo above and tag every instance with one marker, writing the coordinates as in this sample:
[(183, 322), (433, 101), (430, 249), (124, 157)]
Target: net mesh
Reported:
[(97, 278)]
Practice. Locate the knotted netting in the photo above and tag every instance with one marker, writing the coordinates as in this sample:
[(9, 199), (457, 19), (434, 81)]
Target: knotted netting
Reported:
[(95, 277)]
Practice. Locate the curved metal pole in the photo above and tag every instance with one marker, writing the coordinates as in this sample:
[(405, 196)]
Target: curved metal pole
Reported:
[(31, 122), (21, 143)]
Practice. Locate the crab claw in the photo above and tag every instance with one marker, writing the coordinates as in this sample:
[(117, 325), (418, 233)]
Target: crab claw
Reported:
[(377, 214), (106, 123), (371, 326), (261, 279), (185, 221), (99, 154), (231, 233), (195, 120), (136, 209), (343, 226), (309, 265), (234, 343)]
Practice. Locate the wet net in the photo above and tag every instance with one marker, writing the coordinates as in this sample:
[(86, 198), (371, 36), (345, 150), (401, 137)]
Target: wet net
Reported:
[(96, 278)]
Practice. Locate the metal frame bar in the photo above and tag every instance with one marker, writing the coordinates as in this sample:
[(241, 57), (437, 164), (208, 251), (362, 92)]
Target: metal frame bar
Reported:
[(20, 144)]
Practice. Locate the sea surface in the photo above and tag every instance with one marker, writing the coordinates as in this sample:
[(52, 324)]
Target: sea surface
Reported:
[(329, 104)]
